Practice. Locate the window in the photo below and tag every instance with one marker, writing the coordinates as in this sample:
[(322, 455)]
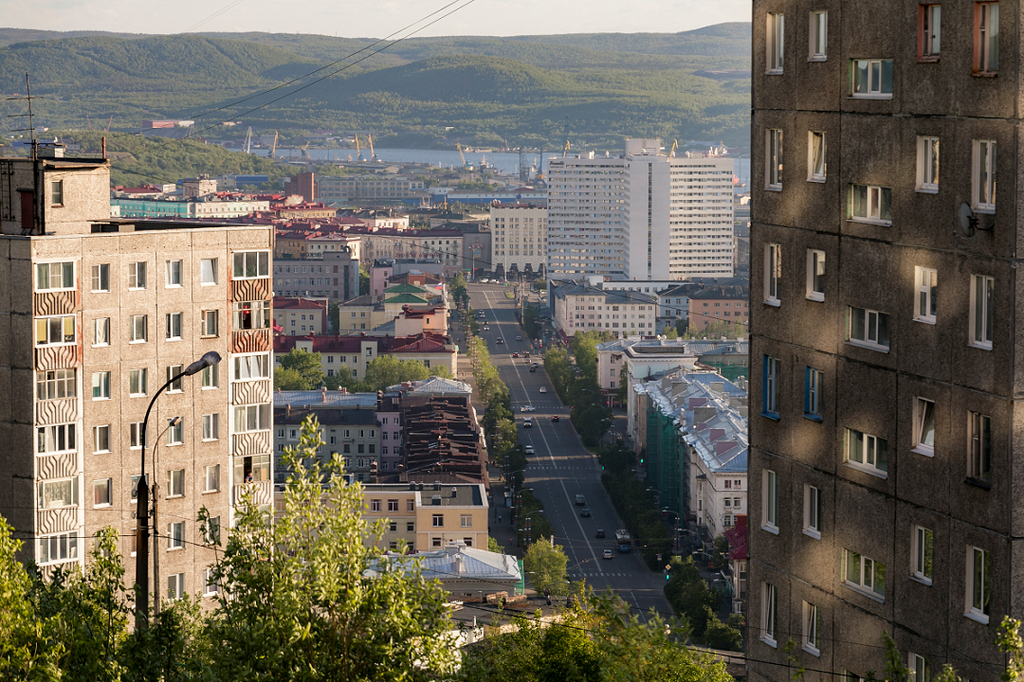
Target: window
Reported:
[(211, 376), (867, 452), (211, 587), (208, 271), (438, 520), (211, 426), (211, 534), (138, 380), (176, 483), (175, 431), (983, 176), (812, 512), (775, 38), (924, 427), (928, 34), (864, 575), (926, 283), (175, 586), (815, 156), (921, 554), (101, 331), (979, 446), (986, 38), (251, 367), (251, 264), (769, 607), (101, 438), (819, 36), (981, 311), (56, 494), (772, 273), (872, 204), (56, 438), (55, 276), (137, 439), (466, 521), (57, 192), (773, 156), (375, 505), (252, 418), (173, 326), (978, 593), (137, 275), (58, 548), (55, 384), (208, 323), (251, 314), (868, 328), (410, 505), (927, 163), (137, 331), (174, 273), (100, 385), (770, 502), (101, 277), (815, 275), (55, 331), (772, 376), (918, 669), (174, 377), (212, 478), (871, 78), (102, 493), (811, 626)]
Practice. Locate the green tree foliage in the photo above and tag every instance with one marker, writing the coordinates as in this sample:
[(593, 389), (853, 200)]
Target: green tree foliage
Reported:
[(304, 598), (545, 567), (387, 370), (719, 635), (364, 281), (689, 594), (531, 322), (717, 329), (459, 291), (300, 370), (622, 395), (334, 317)]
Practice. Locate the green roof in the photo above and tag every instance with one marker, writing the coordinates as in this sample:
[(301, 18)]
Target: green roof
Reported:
[(405, 298), (404, 289)]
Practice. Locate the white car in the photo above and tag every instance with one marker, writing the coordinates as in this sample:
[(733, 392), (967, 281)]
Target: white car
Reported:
[(528, 408), (487, 329), (543, 389), (528, 449)]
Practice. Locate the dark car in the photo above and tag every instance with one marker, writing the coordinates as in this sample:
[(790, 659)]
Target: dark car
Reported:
[(585, 511), (599, 533), (556, 418), (498, 340), (533, 369)]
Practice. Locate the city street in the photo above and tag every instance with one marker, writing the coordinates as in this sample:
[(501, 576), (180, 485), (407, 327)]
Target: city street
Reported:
[(561, 467)]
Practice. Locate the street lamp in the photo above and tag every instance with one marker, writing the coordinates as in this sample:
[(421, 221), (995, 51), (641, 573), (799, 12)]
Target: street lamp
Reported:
[(142, 530)]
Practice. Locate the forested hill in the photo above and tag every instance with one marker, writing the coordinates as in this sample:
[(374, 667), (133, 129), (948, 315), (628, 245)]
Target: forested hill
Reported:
[(421, 92)]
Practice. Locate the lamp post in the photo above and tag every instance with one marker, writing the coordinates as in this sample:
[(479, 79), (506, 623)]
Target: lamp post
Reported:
[(142, 530)]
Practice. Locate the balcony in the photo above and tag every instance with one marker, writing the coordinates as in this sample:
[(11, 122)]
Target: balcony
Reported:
[(262, 492)]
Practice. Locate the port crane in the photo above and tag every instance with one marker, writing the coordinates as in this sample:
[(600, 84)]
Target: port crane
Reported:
[(273, 145)]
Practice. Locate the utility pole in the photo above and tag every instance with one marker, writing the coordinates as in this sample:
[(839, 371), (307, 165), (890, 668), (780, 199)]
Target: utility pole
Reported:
[(156, 550)]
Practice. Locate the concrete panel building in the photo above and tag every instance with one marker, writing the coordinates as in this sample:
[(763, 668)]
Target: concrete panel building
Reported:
[(520, 238), (885, 336)]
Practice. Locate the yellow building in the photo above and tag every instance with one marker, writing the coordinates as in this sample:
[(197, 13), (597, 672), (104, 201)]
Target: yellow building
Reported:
[(428, 516)]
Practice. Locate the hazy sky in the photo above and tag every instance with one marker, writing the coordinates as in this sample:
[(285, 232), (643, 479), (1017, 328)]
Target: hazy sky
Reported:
[(373, 18)]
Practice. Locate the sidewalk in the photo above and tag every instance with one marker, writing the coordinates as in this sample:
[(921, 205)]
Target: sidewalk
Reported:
[(499, 522)]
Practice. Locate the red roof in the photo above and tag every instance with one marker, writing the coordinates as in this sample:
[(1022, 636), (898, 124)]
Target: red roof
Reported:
[(737, 537), (292, 303)]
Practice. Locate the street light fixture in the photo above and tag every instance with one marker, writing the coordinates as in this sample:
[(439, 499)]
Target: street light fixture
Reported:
[(142, 504)]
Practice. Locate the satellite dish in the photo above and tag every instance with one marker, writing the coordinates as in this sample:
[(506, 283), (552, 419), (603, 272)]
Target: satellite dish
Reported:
[(968, 221)]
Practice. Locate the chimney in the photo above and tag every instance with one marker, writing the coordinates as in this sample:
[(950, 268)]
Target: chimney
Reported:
[(288, 410), (323, 394)]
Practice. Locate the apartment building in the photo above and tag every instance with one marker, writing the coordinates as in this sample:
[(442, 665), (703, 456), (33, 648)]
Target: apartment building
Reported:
[(332, 274), (884, 336), (300, 316), (333, 189), (580, 307), (520, 238), (348, 424), (98, 315), (428, 516), (642, 215), (727, 304), (349, 355)]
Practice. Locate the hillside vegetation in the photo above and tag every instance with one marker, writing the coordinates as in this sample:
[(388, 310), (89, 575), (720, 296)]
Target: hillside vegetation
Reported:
[(421, 92)]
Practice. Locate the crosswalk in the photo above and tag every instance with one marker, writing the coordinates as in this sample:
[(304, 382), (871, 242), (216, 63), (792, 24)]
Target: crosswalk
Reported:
[(576, 576), (555, 467)]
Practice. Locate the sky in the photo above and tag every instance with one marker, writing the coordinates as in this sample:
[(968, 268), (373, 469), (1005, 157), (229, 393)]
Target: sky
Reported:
[(373, 18)]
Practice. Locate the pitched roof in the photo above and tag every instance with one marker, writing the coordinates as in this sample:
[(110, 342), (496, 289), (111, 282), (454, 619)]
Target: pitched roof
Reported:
[(290, 303)]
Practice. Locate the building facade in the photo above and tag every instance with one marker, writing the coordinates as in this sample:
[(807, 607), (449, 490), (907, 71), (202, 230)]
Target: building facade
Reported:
[(583, 308), (884, 336), (520, 238)]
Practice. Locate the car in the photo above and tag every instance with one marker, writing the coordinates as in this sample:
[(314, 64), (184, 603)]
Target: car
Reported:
[(608, 554), (519, 338), (580, 499), (526, 354), (556, 418), (528, 449), (487, 329), (543, 389), (599, 533), (528, 423), (527, 408), (533, 369), (498, 340), (585, 511), (515, 355)]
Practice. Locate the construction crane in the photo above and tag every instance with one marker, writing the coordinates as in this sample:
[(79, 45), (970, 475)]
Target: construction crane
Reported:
[(273, 145), (359, 153), (87, 120), (566, 149), (373, 154), (458, 145), (247, 145), (305, 150), (107, 129), (675, 146)]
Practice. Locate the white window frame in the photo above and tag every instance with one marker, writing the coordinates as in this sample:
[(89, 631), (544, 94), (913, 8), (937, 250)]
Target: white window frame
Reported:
[(769, 613), (138, 329), (174, 270), (867, 578), (211, 587), (210, 377), (244, 263), (818, 36), (924, 427), (979, 446), (772, 386), (208, 274), (981, 313), (175, 586), (922, 555), (930, 32), (65, 493), (817, 166), (137, 276), (866, 452), (102, 493), (874, 82), (50, 438), (209, 323), (101, 437), (978, 581), (986, 38), (56, 384), (812, 511), (872, 320), (873, 201), (101, 385), (810, 621), (99, 280), (175, 483), (926, 282), (773, 159), (813, 380), (928, 164), (58, 276), (776, 40), (53, 330), (175, 431), (983, 175), (101, 331), (918, 668), (174, 373), (250, 367), (211, 426), (63, 545), (212, 478), (815, 275), (138, 379), (770, 501), (252, 418), (136, 438), (465, 521), (173, 327), (772, 273)]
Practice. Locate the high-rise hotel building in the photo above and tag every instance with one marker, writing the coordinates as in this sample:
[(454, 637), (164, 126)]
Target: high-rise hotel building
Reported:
[(887, 451), (95, 316), (642, 215)]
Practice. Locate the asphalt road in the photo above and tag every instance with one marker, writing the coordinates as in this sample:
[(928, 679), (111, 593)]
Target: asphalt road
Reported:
[(562, 467)]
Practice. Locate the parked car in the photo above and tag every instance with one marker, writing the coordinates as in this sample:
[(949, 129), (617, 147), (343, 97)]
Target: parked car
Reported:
[(599, 533), (608, 554), (528, 449), (543, 389), (585, 511)]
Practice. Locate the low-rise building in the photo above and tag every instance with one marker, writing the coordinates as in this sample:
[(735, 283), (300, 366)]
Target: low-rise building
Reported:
[(429, 516), (728, 304), (290, 316), (466, 572), (580, 307), (349, 355)]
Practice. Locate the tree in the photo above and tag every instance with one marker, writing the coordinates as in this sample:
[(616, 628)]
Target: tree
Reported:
[(545, 565), (387, 370), (622, 395), (719, 635), (364, 281), (306, 598), (307, 372), (334, 317), (493, 546)]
